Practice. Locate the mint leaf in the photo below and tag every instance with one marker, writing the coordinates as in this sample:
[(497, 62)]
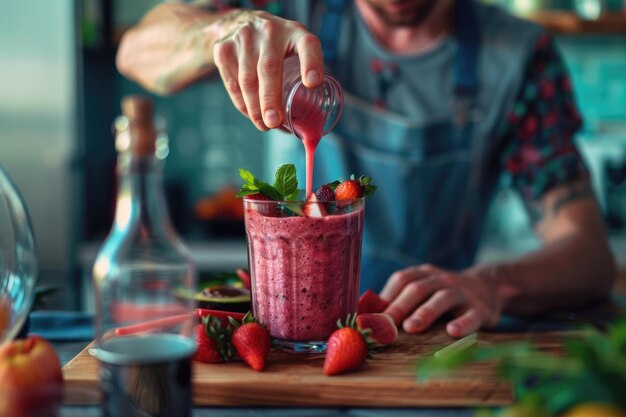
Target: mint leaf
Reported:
[(286, 182), (247, 176), (293, 196), (247, 190), (252, 186), (268, 190)]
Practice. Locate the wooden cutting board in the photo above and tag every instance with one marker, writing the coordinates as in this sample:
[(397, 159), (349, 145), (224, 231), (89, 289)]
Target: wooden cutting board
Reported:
[(387, 380)]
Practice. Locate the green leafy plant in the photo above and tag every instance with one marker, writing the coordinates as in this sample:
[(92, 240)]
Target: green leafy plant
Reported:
[(592, 368)]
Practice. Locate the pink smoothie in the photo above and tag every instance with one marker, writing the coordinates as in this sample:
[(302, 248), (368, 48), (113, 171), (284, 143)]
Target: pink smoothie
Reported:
[(305, 272)]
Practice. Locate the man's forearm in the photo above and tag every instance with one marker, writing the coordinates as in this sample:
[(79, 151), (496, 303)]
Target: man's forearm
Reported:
[(171, 47), (567, 272)]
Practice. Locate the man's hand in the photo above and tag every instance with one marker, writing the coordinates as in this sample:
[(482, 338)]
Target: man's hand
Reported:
[(420, 295), (178, 44), (250, 56)]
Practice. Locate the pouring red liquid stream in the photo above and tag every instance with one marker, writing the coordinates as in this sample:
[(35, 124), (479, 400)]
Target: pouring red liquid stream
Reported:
[(308, 121)]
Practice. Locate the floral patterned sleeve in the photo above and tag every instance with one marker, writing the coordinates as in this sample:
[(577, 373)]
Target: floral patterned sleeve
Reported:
[(540, 152)]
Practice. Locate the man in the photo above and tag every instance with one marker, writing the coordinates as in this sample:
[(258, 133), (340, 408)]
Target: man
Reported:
[(442, 97)]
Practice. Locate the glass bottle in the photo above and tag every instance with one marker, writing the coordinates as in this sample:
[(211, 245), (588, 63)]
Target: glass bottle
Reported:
[(143, 322)]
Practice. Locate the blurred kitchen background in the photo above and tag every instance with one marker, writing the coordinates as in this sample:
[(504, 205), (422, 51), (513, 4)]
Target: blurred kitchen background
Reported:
[(60, 92)]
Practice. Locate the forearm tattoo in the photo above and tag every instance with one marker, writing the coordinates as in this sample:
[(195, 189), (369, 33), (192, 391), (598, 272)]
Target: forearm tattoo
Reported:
[(539, 209)]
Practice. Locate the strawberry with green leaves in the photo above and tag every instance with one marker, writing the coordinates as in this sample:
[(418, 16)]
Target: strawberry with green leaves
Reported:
[(213, 341), (353, 188), (252, 342), (347, 348)]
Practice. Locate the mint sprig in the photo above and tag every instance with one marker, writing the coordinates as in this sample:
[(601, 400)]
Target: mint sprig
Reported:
[(285, 184)]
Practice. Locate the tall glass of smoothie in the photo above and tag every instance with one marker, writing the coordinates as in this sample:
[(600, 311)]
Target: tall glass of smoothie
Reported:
[(305, 262)]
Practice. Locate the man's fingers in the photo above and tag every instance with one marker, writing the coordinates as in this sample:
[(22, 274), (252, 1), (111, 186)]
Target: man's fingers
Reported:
[(248, 77), (270, 73), (468, 322), (441, 302), (309, 51), (227, 66), (411, 296), (399, 279)]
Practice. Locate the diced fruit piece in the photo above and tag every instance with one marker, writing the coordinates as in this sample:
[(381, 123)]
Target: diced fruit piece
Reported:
[(313, 208), (346, 349), (325, 194), (370, 302), (349, 190), (252, 342), (382, 328), (213, 341)]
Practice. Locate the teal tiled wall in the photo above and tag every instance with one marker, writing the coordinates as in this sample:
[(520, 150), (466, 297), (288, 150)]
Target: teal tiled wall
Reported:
[(598, 68)]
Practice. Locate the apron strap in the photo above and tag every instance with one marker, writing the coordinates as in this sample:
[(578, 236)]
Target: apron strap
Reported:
[(467, 33), (330, 30)]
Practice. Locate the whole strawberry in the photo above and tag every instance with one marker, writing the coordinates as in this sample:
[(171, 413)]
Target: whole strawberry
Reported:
[(213, 341), (346, 349), (349, 190), (354, 188), (252, 342)]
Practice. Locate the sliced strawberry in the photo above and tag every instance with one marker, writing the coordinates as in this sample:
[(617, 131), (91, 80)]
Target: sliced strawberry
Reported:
[(313, 208), (349, 190), (213, 342), (325, 194), (252, 342), (382, 328), (370, 302), (346, 349)]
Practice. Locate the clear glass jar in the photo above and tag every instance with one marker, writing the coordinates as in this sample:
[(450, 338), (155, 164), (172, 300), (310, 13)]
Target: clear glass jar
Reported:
[(144, 322), (18, 260)]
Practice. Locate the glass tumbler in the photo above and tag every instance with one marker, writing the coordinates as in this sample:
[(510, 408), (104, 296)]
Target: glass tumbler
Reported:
[(305, 264), (312, 111)]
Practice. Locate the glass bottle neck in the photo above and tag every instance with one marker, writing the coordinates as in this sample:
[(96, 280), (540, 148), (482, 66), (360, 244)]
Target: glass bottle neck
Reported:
[(141, 203)]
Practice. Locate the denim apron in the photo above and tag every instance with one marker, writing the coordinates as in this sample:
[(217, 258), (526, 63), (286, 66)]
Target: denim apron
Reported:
[(425, 208)]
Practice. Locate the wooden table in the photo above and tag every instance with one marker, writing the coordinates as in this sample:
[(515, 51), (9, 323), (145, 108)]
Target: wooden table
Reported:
[(387, 380)]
